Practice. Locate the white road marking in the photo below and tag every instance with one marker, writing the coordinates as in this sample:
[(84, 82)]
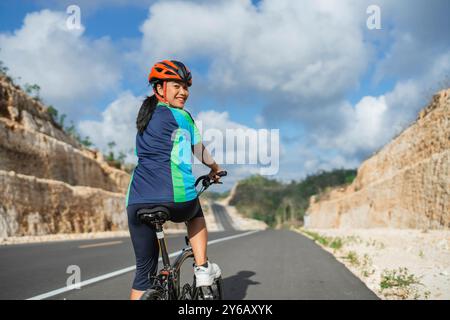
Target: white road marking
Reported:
[(122, 271), (102, 244)]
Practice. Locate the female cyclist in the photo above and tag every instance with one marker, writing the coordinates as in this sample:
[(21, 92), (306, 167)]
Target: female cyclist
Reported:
[(166, 138)]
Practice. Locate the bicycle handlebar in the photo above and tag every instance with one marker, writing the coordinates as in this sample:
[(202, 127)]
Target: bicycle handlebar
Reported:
[(206, 181)]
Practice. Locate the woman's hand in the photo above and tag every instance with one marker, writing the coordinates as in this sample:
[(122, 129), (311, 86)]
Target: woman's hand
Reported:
[(213, 173)]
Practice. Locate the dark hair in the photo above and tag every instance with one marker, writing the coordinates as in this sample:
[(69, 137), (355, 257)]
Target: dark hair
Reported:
[(145, 113)]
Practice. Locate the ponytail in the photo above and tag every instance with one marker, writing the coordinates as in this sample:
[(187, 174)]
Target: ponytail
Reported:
[(145, 113)]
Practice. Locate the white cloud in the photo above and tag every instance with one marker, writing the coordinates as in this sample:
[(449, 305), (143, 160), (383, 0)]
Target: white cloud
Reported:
[(234, 143), (364, 130), (239, 149), (71, 69), (373, 121), (304, 48), (118, 124)]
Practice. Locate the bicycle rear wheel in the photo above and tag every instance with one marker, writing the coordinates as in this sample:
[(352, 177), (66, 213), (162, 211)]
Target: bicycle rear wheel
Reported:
[(183, 269), (153, 294)]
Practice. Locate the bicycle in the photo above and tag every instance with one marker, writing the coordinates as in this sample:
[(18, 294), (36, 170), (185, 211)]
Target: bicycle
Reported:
[(166, 285)]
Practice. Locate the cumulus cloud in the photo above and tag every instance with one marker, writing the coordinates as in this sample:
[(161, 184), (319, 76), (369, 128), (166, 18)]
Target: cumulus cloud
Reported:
[(71, 69), (307, 49), (374, 120), (117, 124), (232, 143), (364, 127)]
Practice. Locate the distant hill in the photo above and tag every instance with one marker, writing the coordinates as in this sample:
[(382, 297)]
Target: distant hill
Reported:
[(277, 203)]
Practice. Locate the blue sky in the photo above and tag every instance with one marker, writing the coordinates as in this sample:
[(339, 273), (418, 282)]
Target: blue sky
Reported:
[(336, 90)]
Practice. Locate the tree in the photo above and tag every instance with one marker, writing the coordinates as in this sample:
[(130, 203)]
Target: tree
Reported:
[(121, 157), (87, 142), (33, 90), (3, 69), (110, 156), (53, 113), (111, 144), (61, 122)]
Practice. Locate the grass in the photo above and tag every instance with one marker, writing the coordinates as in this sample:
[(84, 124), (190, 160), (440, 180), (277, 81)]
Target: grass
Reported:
[(397, 283), (376, 244), (352, 258), (335, 243), (400, 283), (397, 278)]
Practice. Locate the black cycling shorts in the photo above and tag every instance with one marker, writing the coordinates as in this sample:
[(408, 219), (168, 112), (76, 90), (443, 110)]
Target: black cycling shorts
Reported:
[(145, 243)]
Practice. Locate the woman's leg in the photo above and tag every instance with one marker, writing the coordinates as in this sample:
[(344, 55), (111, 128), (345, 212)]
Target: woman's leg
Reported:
[(136, 294), (198, 237), (146, 250)]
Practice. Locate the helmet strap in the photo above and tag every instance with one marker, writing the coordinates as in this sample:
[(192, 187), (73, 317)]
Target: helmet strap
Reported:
[(165, 91), (159, 97)]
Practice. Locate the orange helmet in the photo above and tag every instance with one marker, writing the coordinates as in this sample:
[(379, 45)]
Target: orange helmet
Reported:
[(170, 70)]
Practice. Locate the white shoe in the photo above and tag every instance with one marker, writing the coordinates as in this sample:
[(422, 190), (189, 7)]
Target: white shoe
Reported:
[(205, 276)]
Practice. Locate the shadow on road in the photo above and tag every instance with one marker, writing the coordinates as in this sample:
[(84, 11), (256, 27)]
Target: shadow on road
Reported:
[(235, 287)]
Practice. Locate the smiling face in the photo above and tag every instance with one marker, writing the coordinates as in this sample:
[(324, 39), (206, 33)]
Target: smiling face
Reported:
[(176, 93)]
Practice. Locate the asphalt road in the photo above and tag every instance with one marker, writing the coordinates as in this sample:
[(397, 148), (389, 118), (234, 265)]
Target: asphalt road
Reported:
[(270, 264), (222, 217)]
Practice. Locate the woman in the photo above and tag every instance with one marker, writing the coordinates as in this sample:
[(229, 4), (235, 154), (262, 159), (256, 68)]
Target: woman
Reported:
[(166, 137)]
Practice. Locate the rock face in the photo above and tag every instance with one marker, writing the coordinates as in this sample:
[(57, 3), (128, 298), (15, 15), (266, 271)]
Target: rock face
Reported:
[(405, 185), (50, 183)]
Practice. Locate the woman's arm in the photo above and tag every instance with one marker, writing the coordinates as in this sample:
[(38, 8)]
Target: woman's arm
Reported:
[(202, 154)]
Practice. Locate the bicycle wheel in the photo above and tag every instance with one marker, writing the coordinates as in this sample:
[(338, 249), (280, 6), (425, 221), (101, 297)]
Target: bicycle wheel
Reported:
[(183, 270), (219, 289), (213, 292), (153, 294)]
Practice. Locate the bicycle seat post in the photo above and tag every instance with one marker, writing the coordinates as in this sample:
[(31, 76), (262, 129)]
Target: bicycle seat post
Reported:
[(162, 245)]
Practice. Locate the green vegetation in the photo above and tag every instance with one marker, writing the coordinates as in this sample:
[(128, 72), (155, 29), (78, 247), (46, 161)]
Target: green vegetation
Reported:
[(352, 258), (3, 69), (215, 195), (58, 121), (334, 243), (397, 278), (114, 160), (33, 90), (399, 283), (280, 204), (4, 72)]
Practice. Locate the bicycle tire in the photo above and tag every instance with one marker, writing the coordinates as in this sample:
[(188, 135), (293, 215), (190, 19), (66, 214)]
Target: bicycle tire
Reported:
[(179, 285), (219, 284), (153, 294)]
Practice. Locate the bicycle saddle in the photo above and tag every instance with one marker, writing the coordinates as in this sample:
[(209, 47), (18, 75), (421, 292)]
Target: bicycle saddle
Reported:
[(153, 215)]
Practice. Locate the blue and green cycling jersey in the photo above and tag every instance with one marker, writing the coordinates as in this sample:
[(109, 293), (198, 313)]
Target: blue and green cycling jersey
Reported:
[(164, 169)]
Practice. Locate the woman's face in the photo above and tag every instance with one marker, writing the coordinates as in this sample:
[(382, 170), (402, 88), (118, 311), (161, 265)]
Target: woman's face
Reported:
[(176, 93)]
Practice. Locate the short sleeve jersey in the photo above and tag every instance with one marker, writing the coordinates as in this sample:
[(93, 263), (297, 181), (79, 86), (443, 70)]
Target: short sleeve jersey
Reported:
[(164, 169)]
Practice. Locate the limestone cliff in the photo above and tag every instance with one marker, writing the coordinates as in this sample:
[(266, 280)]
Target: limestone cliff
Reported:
[(404, 185), (49, 182)]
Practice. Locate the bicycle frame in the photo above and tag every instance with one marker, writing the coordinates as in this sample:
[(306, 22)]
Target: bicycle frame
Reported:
[(169, 276)]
